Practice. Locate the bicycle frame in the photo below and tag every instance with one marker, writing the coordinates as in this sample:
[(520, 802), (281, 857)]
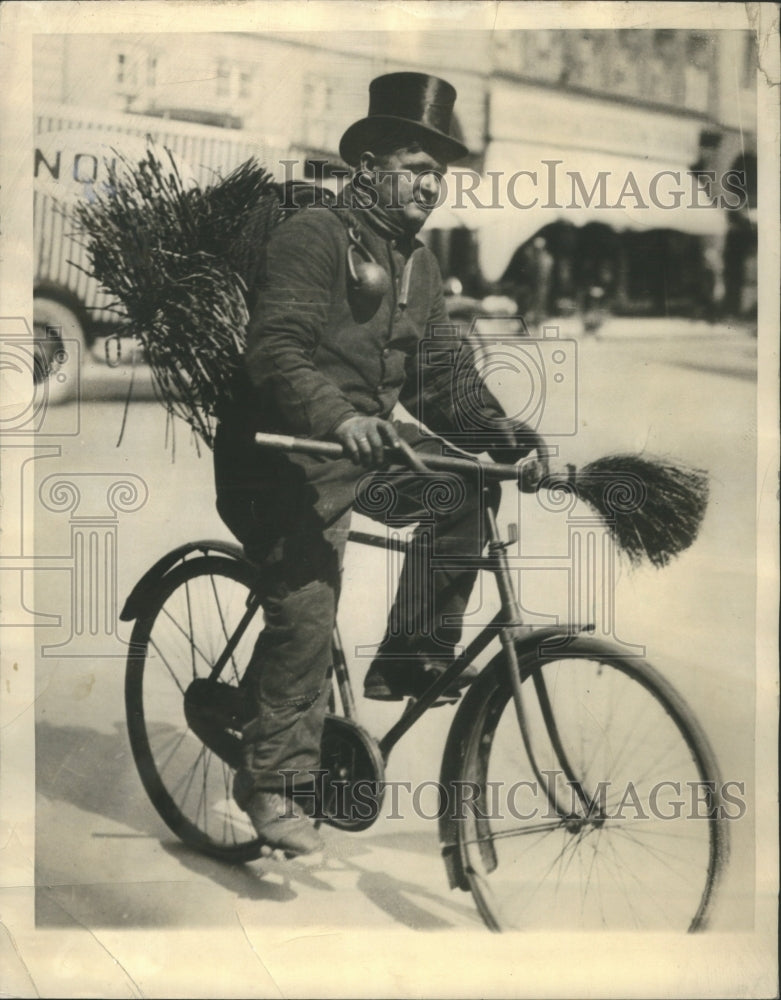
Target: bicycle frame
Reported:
[(507, 623), (516, 691)]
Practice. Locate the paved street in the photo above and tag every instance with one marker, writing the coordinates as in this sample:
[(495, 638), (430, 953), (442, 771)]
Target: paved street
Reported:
[(106, 862)]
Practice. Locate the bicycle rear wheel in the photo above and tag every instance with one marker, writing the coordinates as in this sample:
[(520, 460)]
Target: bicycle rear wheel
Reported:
[(174, 645), (606, 816)]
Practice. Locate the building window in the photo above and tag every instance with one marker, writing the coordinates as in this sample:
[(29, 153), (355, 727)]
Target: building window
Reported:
[(627, 61), (151, 71), (223, 79), (664, 69), (126, 71), (233, 81), (664, 44), (699, 56), (544, 55), (585, 63), (319, 120), (507, 51)]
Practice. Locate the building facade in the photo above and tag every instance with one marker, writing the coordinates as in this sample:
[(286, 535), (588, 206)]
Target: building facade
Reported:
[(645, 103), (639, 101)]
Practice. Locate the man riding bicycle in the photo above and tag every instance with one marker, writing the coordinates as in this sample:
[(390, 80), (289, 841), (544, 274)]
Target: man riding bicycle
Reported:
[(348, 297)]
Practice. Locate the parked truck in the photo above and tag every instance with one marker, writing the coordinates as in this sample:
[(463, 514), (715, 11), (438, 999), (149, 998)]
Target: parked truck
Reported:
[(72, 149)]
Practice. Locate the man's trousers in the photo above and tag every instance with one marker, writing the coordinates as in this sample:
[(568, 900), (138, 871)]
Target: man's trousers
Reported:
[(292, 513)]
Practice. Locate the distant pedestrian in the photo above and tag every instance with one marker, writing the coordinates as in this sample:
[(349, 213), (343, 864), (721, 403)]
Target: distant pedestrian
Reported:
[(541, 277), (594, 311)]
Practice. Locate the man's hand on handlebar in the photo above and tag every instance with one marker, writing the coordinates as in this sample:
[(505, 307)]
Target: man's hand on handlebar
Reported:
[(532, 473), (365, 439), (514, 442)]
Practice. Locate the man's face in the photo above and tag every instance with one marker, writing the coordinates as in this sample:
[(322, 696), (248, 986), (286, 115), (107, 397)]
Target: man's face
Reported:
[(408, 181)]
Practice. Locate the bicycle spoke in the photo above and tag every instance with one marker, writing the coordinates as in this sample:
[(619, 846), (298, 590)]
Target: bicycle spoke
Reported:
[(224, 629), (661, 856), (190, 621), (648, 897), (168, 666), (593, 869), (188, 636), (599, 890), (203, 798), (568, 847), (618, 871), (187, 777), (170, 757), (518, 832), (227, 821), (199, 603)]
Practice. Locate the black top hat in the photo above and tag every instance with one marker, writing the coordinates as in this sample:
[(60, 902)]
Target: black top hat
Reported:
[(421, 102)]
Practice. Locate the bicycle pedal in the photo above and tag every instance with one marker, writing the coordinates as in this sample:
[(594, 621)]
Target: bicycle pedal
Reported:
[(442, 700), (278, 854)]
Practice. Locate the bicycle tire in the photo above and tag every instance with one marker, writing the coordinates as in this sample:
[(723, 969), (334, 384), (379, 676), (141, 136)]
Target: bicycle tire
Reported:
[(592, 862), (177, 638)]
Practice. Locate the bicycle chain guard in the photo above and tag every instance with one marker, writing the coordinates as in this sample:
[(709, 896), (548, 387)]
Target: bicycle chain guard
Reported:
[(350, 793), (353, 789)]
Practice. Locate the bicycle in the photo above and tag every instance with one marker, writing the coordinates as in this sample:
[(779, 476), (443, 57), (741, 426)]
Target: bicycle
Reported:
[(557, 713)]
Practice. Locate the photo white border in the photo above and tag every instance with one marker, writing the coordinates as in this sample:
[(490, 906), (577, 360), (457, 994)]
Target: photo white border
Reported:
[(324, 961)]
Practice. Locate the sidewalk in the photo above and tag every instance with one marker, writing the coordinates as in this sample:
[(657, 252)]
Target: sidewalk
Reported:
[(728, 350), (640, 327)]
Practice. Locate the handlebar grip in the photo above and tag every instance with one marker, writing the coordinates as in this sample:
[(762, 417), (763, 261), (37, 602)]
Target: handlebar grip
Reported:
[(307, 446)]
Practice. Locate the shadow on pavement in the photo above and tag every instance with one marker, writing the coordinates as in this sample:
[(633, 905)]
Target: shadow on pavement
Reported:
[(93, 772)]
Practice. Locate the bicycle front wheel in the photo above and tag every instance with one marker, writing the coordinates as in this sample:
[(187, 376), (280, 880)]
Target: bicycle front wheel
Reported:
[(595, 807), (174, 645)]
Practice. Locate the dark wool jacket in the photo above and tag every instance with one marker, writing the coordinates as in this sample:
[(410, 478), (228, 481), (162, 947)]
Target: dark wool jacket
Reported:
[(319, 352)]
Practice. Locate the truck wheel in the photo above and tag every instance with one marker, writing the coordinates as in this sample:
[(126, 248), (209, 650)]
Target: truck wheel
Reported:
[(59, 349)]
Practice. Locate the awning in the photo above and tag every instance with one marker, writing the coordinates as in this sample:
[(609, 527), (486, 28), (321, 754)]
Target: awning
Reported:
[(526, 187)]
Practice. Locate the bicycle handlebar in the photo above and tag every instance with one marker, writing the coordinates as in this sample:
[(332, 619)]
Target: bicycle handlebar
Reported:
[(434, 463)]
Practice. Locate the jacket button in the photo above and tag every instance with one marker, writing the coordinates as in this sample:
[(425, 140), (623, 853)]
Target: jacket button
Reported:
[(386, 353)]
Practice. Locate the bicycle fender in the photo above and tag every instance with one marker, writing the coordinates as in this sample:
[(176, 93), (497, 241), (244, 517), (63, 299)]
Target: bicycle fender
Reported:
[(553, 639), (150, 580)]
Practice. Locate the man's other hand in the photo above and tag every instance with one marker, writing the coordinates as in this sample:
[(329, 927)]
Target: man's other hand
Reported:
[(513, 441), (532, 474), (365, 438)]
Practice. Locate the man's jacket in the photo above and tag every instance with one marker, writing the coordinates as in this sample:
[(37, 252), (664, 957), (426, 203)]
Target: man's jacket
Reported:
[(320, 351)]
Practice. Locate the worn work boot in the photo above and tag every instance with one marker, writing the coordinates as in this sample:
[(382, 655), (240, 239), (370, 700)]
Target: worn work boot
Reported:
[(281, 825), (394, 680)]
